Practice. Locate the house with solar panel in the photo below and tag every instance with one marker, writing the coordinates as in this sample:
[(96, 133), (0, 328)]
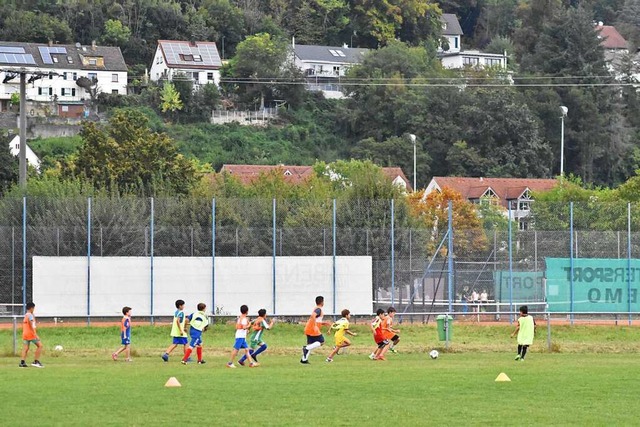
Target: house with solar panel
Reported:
[(55, 90), (325, 66), (198, 61)]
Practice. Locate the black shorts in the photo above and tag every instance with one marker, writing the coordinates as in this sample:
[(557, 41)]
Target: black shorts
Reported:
[(382, 344), (396, 337), (314, 338)]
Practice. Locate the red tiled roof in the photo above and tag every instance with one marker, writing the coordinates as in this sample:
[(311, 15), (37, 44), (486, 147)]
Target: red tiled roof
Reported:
[(292, 174), (505, 188), (611, 38)]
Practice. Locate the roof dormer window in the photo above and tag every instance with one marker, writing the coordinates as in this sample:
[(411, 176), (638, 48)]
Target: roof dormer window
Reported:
[(187, 57), (287, 173), (197, 58)]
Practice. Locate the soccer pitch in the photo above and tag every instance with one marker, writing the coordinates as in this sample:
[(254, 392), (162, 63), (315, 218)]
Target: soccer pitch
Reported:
[(82, 386)]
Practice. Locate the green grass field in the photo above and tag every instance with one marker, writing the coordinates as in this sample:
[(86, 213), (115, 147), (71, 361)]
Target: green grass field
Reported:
[(589, 379)]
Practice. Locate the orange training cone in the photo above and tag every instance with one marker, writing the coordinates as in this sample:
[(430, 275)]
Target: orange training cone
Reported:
[(502, 377), (173, 382)]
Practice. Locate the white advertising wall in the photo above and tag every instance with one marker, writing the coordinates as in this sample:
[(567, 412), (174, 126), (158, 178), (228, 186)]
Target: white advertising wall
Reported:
[(63, 286)]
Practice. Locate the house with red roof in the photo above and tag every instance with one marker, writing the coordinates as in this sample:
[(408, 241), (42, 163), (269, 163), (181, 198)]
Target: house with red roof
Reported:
[(246, 174), (615, 46), (509, 193)]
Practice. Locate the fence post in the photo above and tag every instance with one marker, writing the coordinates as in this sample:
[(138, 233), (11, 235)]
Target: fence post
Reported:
[(274, 259), (152, 224), (393, 253), (334, 256), (510, 240), (571, 266), (548, 331), (24, 254), (213, 256), (88, 261), (15, 336), (450, 257), (629, 259), (13, 269)]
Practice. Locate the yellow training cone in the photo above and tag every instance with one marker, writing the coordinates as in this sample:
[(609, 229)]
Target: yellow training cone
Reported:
[(502, 377), (173, 382)]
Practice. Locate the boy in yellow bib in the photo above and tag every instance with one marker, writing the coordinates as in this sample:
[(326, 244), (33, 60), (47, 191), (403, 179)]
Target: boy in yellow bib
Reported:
[(341, 327), (525, 329)]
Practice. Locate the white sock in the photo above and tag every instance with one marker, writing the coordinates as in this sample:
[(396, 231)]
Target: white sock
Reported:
[(311, 347)]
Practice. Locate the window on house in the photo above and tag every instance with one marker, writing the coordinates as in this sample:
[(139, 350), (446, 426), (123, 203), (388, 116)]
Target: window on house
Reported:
[(197, 58), (39, 91), (70, 59), (114, 78), (196, 76), (467, 60), (65, 108), (336, 71), (75, 76), (50, 91), (186, 57), (493, 62), (64, 76), (50, 76), (63, 92), (92, 76), (333, 52), (114, 92), (456, 40), (287, 173), (55, 59), (523, 225), (523, 205), (93, 61), (209, 76), (73, 91)]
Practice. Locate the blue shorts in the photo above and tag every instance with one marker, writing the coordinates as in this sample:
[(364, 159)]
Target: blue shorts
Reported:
[(315, 338), (180, 340), (240, 343), (125, 341), (34, 341), (195, 341)]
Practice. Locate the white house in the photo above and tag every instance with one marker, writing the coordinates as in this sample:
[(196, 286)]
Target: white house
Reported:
[(453, 56), (62, 65), (324, 66), (32, 159), (198, 61)]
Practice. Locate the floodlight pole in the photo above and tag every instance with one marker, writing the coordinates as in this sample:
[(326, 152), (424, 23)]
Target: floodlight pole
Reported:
[(413, 140), (23, 132)]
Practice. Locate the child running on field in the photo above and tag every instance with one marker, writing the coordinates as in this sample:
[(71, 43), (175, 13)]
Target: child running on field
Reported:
[(125, 335), (390, 334), (242, 324), (178, 331), (256, 344), (29, 335), (378, 337), (525, 329), (341, 327), (198, 323)]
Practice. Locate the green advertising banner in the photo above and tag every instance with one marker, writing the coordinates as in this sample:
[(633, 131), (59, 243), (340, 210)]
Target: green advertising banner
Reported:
[(528, 286), (599, 284)]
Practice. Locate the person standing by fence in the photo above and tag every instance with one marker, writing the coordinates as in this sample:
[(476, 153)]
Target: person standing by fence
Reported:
[(29, 335)]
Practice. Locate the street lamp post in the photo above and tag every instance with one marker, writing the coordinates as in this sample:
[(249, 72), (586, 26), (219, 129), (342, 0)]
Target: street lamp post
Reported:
[(413, 139), (564, 110), (223, 48)]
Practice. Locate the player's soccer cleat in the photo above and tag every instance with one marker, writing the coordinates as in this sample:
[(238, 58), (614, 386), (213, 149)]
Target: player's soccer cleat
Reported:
[(37, 364), (372, 356), (231, 365), (128, 359), (165, 357), (23, 365), (393, 350), (240, 362), (305, 353), (254, 364), (380, 358), (201, 362), (114, 356), (329, 359), (306, 362), (184, 362), (517, 357)]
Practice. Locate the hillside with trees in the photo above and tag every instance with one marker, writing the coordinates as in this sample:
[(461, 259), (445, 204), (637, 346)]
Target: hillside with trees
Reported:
[(470, 122)]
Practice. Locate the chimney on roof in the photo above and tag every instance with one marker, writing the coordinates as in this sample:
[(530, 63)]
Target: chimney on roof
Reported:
[(193, 43), (480, 179), (345, 46), (50, 42), (93, 45), (293, 41)]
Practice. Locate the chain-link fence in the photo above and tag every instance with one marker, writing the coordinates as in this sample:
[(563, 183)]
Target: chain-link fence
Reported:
[(573, 257)]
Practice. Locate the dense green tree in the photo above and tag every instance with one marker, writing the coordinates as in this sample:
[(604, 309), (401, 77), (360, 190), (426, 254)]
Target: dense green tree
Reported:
[(115, 34), (28, 26), (8, 169), (170, 98), (127, 154)]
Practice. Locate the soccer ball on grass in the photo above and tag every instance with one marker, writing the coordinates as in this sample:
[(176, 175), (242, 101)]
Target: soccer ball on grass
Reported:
[(58, 348), (434, 354)]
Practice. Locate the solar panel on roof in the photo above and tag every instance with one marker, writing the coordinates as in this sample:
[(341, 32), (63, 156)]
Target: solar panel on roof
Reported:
[(46, 51), (205, 54), (11, 49), (18, 59)]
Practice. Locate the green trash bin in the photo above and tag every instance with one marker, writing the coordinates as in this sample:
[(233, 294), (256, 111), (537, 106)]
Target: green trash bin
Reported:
[(440, 320)]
